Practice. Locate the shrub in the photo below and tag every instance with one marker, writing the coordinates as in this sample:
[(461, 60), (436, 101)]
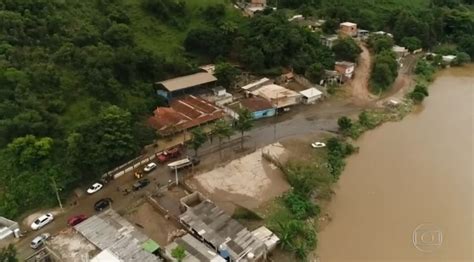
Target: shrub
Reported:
[(301, 207)]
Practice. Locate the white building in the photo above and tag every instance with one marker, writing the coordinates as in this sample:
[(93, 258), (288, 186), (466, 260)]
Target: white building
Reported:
[(279, 96), (311, 95)]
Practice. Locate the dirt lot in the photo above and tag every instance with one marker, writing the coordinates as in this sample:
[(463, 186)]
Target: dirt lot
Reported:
[(248, 181), (153, 223)]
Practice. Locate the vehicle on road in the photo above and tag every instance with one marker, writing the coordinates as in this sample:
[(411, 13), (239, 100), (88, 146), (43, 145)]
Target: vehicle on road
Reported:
[(149, 167), (94, 188), (39, 240), (183, 163), (140, 184), (42, 221), (169, 154), (318, 144), (74, 220), (138, 174), (102, 204)]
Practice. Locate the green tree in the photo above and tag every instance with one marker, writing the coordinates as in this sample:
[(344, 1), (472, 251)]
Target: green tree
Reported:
[(8, 254), (119, 35), (411, 43), (346, 49), (419, 93), (222, 129), (29, 151), (226, 74), (380, 43), (243, 123), (462, 58), (198, 139), (179, 253), (344, 123), (315, 72)]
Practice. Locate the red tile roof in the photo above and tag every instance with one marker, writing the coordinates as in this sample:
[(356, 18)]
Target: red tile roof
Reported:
[(184, 113)]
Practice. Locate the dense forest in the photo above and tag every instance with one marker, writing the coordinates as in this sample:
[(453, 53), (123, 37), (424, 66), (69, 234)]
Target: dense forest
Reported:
[(76, 76)]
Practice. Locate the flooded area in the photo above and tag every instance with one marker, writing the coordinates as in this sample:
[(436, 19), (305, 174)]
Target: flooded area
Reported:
[(407, 195)]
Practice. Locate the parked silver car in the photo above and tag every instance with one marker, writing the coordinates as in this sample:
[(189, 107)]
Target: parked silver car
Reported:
[(39, 240)]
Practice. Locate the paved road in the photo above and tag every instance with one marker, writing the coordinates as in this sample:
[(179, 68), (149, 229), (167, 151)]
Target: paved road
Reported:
[(301, 120)]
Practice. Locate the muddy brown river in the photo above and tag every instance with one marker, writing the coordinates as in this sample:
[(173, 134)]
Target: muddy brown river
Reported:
[(408, 194)]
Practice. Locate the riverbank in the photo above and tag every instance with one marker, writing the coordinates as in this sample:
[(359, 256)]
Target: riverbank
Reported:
[(323, 170), (423, 174)]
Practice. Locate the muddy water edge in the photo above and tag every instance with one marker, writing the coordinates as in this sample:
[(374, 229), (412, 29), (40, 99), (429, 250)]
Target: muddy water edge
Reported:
[(407, 195)]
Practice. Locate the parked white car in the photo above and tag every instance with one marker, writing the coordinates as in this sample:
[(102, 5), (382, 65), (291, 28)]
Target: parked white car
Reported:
[(42, 221), (94, 188), (150, 167), (39, 240), (318, 144)]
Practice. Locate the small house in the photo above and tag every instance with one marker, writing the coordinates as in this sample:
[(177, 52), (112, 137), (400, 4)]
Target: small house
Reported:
[(383, 33), (346, 69), (399, 51), (311, 95), (348, 29), (329, 40), (363, 34), (331, 77), (258, 106), (279, 96)]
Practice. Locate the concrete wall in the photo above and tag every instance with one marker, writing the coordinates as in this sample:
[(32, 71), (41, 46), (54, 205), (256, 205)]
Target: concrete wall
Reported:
[(7, 227)]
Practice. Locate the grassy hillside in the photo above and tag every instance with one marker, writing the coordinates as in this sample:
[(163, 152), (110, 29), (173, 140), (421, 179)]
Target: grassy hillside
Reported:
[(152, 34)]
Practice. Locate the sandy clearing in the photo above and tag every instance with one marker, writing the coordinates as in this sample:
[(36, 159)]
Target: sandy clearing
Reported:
[(249, 177)]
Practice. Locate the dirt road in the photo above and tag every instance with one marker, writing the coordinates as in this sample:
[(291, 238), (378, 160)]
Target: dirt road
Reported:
[(360, 83), (301, 120)]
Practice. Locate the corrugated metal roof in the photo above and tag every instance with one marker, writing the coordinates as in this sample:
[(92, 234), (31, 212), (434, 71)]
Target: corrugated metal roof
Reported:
[(109, 231), (183, 82), (218, 228)]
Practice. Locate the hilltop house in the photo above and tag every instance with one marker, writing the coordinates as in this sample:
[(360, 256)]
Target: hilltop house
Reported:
[(348, 29)]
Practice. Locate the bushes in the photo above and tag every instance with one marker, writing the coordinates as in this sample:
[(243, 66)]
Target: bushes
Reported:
[(300, 206), (337, 151), (419, 93), (384, 72)]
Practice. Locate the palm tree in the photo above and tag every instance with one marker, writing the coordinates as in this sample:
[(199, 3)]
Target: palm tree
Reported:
[(222, 129), (198, 139), (244, 123)]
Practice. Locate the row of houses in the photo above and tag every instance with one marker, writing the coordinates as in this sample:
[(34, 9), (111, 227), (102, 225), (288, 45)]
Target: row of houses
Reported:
[(196, 99), (210, 235)]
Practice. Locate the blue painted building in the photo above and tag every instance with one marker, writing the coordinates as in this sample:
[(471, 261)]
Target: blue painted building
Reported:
[(259, 107)]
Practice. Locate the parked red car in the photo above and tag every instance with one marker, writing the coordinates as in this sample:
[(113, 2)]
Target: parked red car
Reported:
[(169, 154), (72, 221)]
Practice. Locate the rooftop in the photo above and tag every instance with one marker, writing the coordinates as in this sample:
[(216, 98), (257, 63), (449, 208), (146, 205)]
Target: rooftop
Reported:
[(220, 230), (345, 63), (113, 234), (255, 104), (348, 24), (256, 84), (183, 82), (196, 251), (273, 91), (184, 113), (311, 92)]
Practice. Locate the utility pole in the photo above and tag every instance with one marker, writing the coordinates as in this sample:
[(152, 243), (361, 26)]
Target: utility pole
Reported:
[(176, 175), (55, 186), (276, 118)]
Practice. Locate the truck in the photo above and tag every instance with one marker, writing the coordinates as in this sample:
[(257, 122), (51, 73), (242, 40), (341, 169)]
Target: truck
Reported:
[(183, 163), (169, 154)]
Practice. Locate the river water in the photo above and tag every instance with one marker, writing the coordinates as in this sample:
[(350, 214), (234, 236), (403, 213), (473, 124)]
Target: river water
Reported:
[(408, 194)]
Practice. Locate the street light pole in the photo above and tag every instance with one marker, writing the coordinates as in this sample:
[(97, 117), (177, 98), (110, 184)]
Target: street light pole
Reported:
[(57, 193)]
